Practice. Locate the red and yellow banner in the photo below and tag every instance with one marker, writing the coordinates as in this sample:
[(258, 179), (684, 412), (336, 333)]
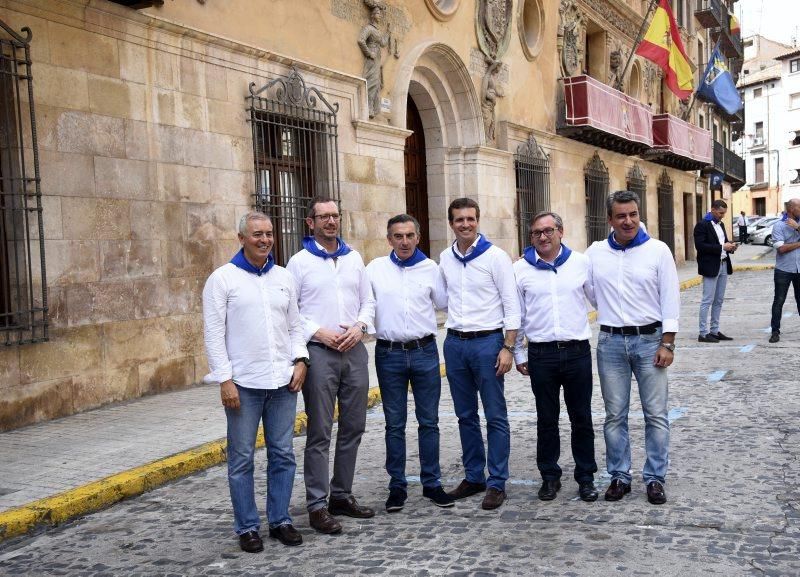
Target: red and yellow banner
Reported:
[(735, 28), (662, 45)]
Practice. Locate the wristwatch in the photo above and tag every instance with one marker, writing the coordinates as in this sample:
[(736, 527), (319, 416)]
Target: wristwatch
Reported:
[(305, 360), (669, 346), (363, 328), (509, 348)]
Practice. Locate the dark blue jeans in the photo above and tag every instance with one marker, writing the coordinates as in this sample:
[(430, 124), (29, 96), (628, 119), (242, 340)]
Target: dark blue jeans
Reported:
[(396, 368), (550, 369), (471, 371), (782, 281)]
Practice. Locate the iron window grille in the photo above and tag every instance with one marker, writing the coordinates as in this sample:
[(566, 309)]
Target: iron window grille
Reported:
[(532, 169), (666, 212), (637, 182), (23, 283), (595, 177), (296, 155)]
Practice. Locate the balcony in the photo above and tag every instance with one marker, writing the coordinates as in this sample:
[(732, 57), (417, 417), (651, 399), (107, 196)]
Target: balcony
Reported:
[(713, 14), (710, 13), (678, 144), (595, 113), (729, 164)]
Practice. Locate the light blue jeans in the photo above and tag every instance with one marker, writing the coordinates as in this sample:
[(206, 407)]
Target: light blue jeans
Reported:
[(277, 409), (713, 295), (617, 357)]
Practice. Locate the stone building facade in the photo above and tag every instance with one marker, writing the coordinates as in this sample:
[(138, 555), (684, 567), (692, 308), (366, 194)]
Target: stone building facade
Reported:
[(158, 124)]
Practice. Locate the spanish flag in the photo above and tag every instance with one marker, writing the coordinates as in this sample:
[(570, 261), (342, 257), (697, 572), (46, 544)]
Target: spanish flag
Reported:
[(735, 28), (662, 45)]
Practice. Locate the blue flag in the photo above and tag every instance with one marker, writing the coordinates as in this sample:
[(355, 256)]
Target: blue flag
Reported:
[(717, 86)]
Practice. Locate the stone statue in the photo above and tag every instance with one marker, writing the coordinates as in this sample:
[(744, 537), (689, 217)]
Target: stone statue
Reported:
[(615, 69), (569, 36), (490, 92), (372, 40)]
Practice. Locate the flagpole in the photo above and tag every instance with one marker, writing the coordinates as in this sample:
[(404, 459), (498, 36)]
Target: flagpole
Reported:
[(621, 77), (685, 115)]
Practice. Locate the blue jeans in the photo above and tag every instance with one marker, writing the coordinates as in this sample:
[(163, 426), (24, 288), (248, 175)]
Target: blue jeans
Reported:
[(277, 409), (782, 281), (550, 369), (395, 368), (617, 357), (470, 372), (713, 295)]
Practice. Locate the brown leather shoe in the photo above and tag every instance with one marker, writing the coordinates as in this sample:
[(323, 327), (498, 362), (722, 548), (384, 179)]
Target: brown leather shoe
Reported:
[(467, 489), (251, 542), (655, 493), (349, 507), (493, 499), (286, 534), (321, 521), (617, 490)]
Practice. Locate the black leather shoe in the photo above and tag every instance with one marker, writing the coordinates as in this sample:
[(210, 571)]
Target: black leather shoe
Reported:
[(655, 493), (321, 520), (251, 542), (349, 507), (617, 490), (467, 489), (438, 496), (286, 534), (493, 499), (721, 337), (587, 491), (709, 338), (549, 489), (396, 500), (774, 337)]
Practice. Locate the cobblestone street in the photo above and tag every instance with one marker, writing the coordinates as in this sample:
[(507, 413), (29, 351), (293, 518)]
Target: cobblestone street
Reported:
[(733, 490)]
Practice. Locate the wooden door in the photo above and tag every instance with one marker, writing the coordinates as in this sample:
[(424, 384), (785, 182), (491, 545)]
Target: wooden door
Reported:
[(416, 177)]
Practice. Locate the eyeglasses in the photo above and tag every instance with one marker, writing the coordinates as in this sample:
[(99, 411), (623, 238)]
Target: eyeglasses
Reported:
[(548, 232), (325, 217)]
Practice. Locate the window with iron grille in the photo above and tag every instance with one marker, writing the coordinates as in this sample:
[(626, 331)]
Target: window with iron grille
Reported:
[(295, 150), (666, 211), (637, 182), (23, 286), (595, 178), (532, 169)]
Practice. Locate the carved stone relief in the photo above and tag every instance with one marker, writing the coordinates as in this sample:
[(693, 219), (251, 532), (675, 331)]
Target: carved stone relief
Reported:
[(493, 22), (570, 38), (617, 20), (443, 9), (652, 84), (616, 63)]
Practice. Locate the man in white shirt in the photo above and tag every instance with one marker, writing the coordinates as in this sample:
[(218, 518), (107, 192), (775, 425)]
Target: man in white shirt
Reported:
[(741, 222), (553, 284), (256, 352), (482, 301), (714, 265), (336, 304), (407, 290), (634, 283)]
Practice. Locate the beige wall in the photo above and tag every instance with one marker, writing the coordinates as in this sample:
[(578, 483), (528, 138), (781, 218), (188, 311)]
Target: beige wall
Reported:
[(146, 164)]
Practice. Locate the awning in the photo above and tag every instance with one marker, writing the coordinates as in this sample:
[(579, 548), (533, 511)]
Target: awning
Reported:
[(678, 144)]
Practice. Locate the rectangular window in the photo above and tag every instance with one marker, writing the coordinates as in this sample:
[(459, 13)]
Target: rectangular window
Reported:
[(295, 152), (794, 65), (759, 170), (532, 169), (759, 130), (23, 286), (794, 100), (757, 92)]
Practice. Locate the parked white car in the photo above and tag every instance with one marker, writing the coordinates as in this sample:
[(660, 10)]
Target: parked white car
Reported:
[(763, 232)]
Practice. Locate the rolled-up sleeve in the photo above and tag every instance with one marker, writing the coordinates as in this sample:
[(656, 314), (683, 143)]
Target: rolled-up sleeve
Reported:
[(503, 273), (669, 292), (215, 300)]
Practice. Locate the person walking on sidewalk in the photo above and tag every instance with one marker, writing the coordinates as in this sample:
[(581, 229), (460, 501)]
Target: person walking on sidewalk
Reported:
[(714, 265), (786, 241), (256, 352), (407, 290), (553, 284), (482, 301), (634, 283), (741, 222), (336, 304)]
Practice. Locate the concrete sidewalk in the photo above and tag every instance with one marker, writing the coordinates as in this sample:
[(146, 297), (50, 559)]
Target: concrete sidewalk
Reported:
[(65, 468)]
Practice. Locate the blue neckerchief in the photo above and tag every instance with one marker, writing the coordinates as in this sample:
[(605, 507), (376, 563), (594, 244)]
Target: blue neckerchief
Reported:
[(241, 261), (709, 217), (480, 248), (529, 254), (417, 256), (311, 246), (640, 238), (784, 216)]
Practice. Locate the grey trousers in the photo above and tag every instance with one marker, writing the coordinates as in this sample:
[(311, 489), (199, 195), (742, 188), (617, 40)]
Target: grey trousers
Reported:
[(333, 375)]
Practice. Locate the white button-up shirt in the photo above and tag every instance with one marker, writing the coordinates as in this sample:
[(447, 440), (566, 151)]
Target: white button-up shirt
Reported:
[(634, 287), (331, 293), (252, 328), (481, 295), (721, 236), (553, 305), (405, 299)]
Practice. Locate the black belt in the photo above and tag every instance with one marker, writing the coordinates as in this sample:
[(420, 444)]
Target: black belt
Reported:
[(472, 334), (630, 331), (407, 346), (322, 346), (559, 344)]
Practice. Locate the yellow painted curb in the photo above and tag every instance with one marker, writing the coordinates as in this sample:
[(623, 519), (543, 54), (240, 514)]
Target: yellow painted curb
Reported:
[(105, 492)]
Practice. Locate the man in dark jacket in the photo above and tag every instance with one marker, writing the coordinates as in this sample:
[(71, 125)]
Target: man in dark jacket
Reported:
[(714, 265)]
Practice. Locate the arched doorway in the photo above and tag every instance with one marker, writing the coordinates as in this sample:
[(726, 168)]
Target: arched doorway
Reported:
[(416, 175)]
